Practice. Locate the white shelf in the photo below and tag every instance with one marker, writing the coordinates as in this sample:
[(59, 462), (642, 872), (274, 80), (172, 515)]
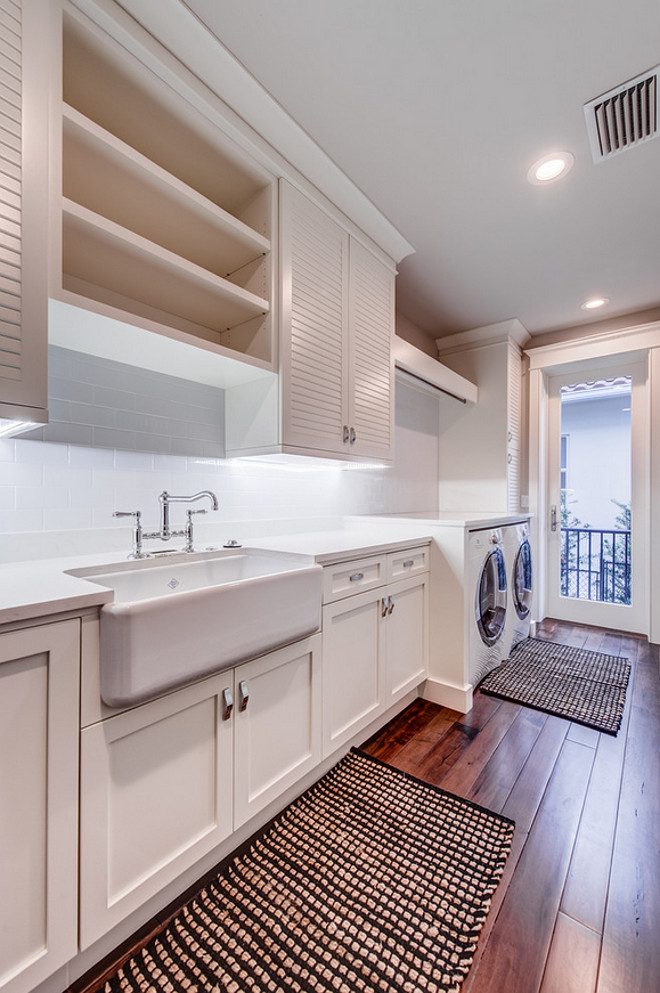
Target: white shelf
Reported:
[(102, 253), (106, 175), (166, 224)]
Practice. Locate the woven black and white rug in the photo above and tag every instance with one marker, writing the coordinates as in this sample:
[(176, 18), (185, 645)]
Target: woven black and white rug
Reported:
[(371, 881), (582, 686)]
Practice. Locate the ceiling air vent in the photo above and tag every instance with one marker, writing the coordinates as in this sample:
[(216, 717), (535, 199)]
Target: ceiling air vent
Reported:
[(624, 117)]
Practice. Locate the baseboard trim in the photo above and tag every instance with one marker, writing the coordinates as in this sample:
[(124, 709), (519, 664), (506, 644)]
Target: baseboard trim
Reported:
[(447, 695)]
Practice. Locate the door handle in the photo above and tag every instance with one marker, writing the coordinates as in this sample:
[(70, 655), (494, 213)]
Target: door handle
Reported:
[(553, 518), (244, 694)]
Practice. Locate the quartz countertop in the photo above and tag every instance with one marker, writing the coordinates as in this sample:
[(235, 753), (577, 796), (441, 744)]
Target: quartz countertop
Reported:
[(43, 587)]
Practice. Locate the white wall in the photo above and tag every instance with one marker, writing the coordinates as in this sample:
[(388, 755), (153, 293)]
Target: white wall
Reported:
[(57, 487)]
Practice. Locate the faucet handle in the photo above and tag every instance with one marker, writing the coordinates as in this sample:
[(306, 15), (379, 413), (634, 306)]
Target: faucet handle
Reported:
[(190, 545), (137, 552)]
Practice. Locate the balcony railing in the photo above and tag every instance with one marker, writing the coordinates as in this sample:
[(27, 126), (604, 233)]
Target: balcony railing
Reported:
[(595, 565)]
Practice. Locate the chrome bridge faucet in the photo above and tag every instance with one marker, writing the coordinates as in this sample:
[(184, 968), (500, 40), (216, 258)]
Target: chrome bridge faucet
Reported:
[(166, 532)]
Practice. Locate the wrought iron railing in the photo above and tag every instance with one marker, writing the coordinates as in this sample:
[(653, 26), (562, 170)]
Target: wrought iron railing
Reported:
[(595, 565)]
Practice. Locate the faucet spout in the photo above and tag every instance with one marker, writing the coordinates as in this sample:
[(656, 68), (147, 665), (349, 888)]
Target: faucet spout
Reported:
[(166, 499)]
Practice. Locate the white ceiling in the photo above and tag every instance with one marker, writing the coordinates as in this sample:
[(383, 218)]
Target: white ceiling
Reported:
[(436, 109)]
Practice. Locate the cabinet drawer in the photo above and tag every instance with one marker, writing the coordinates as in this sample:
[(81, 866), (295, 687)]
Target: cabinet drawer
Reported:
[(408, 562), (347, 578)]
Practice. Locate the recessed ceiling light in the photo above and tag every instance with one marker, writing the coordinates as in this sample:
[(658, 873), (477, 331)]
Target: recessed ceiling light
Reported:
[(550, 168), (595, 303)]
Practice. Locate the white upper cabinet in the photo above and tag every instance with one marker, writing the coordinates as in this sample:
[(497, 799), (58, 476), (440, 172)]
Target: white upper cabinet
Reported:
[(337, 323), (24, 56), (371, 364)]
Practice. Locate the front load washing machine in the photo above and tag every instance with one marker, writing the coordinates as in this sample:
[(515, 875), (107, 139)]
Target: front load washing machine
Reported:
[(518, 556), (488, 578)]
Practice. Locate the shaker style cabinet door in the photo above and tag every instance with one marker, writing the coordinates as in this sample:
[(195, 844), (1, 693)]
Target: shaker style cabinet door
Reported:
[(156, 795), (39, 690), (277, 724)]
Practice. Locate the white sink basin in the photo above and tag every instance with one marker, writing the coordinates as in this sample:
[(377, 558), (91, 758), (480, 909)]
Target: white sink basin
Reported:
[(178, 619)]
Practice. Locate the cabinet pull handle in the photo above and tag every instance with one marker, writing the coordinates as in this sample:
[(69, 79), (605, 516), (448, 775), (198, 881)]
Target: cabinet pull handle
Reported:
[(244, 694), (408, 564), (391, 606), (383, 607), (346, 434), (227, 704), (356, 577), (352, 437)]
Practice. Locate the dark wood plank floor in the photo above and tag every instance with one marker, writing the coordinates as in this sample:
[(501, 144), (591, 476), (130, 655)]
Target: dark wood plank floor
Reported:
[(578, 910)]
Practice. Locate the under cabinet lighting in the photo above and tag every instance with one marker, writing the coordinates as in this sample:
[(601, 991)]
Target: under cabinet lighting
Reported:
[(10, 427)]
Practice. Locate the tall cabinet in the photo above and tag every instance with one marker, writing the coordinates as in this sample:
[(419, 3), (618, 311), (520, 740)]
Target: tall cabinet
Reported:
[(26, 32), (481, 444)]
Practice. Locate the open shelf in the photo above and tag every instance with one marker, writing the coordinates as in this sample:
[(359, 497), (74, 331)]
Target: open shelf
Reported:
[(165, 223), (107, 176), (103, 253)]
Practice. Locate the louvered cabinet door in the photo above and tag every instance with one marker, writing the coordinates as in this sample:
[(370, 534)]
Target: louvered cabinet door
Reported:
[(371, 367), (314, 261), (26, 38)]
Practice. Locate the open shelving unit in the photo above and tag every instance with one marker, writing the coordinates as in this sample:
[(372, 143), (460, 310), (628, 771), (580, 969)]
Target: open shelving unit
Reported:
[(165, 222)]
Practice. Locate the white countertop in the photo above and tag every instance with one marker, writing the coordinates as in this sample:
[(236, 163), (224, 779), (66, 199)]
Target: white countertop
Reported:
[(42, 587), (472, 520)]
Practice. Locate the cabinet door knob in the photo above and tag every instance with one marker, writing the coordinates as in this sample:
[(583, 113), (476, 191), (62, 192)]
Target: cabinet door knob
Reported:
[(383, 607), (227, 704), (352, 438), (391, 606), (345, 435), (244, 695)]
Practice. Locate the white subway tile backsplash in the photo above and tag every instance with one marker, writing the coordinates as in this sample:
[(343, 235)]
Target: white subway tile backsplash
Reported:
[(21, 474), (72, 486)]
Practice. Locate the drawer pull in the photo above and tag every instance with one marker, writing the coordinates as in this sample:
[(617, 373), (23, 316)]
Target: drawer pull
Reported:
[(383, 607), (244, 695), (227, 704), (356, 577), (391, 606), (408, 564)]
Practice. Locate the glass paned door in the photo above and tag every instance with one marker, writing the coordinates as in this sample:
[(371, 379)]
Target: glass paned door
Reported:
[(595, 490), (595, 570)]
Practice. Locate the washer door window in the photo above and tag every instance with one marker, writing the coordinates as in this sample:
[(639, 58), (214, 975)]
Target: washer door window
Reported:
[(491, 598), (522, 580)]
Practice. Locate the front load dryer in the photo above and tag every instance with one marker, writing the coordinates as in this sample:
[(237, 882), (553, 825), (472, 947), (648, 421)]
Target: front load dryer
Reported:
[(518, 556), (488, 578)]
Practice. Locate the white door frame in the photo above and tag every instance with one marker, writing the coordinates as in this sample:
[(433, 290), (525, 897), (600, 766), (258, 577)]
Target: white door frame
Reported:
[(640, 343)]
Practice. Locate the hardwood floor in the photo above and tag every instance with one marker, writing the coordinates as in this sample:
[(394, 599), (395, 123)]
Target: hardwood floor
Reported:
[(578, 910)]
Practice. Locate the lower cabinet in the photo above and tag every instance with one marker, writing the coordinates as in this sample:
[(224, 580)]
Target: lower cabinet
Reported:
[(277, 727), (163, 784), (39, 681), (406, 645), (375, 645)]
